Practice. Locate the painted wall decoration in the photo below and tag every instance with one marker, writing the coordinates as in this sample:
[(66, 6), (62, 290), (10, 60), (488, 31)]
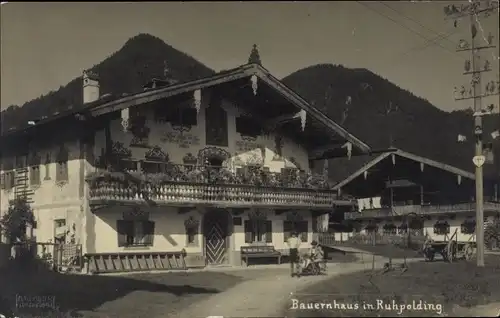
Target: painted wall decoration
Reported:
[(180, 138), (140, 131), (119, 150), (156, 154)]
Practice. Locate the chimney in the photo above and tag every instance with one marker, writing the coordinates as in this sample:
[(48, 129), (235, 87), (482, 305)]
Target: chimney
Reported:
[(90, 87)]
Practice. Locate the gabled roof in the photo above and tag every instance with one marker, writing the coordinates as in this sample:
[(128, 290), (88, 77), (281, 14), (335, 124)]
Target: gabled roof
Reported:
[(99, 108), (407, 155), (241, 72)]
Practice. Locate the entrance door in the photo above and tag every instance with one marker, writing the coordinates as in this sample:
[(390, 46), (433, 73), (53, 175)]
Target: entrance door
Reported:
[(215, 230)]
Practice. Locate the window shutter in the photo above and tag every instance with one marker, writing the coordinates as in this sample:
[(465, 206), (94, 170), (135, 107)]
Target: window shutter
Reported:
[(269, 231), (65, 171), (149, 232), (122, 228), (8, 180), (302, 228), (287, 230), (2, 181), (190, 116), (248, 231)]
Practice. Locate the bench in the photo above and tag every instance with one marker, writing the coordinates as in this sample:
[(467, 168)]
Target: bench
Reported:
[(264, 251)]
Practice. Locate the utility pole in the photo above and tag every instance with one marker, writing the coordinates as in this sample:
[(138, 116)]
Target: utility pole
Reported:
[(474, 68)]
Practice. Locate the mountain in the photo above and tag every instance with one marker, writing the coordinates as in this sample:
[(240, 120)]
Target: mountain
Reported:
[(382, 114), (139, 60), (378, 112)]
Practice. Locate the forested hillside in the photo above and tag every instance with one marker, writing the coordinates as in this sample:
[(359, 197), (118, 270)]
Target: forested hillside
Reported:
[(372, 108)]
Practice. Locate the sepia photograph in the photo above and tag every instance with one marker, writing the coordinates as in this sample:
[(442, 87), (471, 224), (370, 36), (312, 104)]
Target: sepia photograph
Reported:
[(250, 159)]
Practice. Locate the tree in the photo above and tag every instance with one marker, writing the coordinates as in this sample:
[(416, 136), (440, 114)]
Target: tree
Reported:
[(492, 234), (14, 223)]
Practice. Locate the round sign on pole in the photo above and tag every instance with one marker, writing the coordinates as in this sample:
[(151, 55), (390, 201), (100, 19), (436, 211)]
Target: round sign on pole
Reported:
[(479, 161)]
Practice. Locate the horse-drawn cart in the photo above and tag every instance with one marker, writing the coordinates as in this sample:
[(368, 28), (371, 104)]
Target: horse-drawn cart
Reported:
[(450, 249)]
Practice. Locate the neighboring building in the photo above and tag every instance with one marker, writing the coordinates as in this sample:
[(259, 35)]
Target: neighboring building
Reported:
[(206, 167), (397, 183)]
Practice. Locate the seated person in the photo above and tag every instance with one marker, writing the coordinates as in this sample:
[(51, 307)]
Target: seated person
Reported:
[(315, 255)]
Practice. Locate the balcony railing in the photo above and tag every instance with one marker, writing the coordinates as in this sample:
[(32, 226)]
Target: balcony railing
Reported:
[(421, 210), (200, 185)]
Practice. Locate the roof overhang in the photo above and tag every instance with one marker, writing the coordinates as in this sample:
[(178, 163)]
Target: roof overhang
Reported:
[(245, 71), (105, 105), (400, 153)]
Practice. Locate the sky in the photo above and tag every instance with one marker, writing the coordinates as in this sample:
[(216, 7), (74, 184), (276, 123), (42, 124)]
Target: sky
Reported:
[(45, 45)]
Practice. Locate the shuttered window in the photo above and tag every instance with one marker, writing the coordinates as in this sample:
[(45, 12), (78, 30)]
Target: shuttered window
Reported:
[(258, 231), (8, 180), (135, 233), (301, 227)]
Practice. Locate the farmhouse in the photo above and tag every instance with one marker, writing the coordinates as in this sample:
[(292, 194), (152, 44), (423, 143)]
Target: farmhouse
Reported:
[(399, 192), (178, 175)]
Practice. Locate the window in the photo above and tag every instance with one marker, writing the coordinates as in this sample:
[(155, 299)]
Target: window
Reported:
[(258, 231), (179, 116), (62, 165), (135, 233), (403, 229), (192, 225), (441, 227), (35, 170), (301, 227), (468, 226), (8, 180), (389, 229), (248, 126), (216, 131), (192, 235)]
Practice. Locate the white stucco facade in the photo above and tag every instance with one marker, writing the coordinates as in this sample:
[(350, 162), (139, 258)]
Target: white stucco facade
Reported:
[(96, 229)]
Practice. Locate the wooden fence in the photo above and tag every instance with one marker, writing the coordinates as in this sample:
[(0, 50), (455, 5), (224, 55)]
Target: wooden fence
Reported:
[(62, 257), (403, 240)]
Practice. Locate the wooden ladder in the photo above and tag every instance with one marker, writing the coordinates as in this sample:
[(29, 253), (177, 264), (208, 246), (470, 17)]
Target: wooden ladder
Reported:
[(135, 262)]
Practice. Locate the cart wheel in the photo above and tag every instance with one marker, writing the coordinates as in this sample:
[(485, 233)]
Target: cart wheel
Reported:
[(315, 269), (468, 252), (451, 251)]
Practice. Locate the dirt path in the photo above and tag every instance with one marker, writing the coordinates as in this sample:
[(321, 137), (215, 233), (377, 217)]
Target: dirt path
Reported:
[(265, 296)]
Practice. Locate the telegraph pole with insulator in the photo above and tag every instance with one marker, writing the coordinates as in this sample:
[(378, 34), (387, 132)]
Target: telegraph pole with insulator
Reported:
[(475, 67)]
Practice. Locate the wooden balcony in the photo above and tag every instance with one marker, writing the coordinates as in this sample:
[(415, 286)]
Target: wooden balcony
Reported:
[(189, 186), (489, 207)]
